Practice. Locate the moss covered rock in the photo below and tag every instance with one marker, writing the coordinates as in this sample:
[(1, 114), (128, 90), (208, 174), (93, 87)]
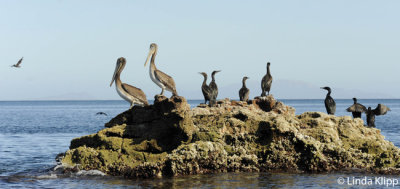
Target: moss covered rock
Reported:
[(169, 138)]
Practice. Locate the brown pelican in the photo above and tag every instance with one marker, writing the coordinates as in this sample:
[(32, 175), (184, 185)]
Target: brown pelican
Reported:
[(129, 93), (266, 81), (356, 109), (213, 87), (160, 78), (17, 65), (330, 104), (205, 89), (379, 110), (244, 91)]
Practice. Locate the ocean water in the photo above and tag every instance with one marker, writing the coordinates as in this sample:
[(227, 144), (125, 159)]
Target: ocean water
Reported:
[(32, 133)]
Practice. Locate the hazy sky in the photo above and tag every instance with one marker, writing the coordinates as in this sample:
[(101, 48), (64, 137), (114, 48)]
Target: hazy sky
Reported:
[(70, 47)]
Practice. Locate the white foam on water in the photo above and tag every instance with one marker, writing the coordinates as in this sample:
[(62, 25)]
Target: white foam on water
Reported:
[(90, 173), (51, 176)]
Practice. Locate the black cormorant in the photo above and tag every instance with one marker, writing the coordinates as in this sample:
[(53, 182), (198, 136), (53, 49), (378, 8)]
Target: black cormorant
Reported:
[(244, 91), (356, 109), (379, 110), (266, 81), (205, 88), (214, 88), (330, 104)]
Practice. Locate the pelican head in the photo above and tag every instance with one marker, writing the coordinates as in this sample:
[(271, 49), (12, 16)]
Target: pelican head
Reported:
[(153, 50), (118, 68)]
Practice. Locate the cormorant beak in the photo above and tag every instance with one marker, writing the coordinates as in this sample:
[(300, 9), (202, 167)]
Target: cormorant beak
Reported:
[(149, 55), (115, 73)]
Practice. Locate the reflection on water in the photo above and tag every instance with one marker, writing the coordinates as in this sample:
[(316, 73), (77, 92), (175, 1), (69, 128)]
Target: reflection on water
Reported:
[(220, 180)]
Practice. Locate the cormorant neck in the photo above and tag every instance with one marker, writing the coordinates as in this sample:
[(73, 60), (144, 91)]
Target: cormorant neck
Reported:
[(244, 83), (205, 80), (355, 101), (268, 71), (329, 93), (212, 77)]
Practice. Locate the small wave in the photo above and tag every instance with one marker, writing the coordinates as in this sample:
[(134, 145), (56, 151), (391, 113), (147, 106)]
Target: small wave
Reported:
[(51, 176), (90, 173)]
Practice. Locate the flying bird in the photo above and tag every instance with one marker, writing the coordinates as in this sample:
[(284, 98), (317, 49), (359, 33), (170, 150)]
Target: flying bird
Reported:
[(164, 81), (130, 93), (101, 113), (17, 65), (330, 104), (266, 81), (244, 91), (379, 110), (356, 109)]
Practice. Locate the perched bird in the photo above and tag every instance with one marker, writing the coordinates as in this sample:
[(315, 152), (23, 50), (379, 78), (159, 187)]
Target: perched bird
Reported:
[(130, 93), (17, 65), (379, 110), (164, 81), (244, 91), (214, 88), (356, 109), (205, 89), (266, 81), (330, 104), (101, 113)]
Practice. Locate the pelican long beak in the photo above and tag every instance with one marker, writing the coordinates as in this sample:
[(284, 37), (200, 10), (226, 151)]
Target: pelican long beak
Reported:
[(115, 74), (148, 56)]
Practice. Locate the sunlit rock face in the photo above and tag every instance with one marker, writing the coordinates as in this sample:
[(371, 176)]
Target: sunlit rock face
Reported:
[(170, 139)]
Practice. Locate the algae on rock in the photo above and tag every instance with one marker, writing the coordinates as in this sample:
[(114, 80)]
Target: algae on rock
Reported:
[(169, 138)]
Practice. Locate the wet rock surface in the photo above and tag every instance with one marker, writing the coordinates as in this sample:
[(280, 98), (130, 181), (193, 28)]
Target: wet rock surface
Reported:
[(170, 139)]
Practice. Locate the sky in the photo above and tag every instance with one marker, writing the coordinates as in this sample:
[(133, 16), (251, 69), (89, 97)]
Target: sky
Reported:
[(70, 48)]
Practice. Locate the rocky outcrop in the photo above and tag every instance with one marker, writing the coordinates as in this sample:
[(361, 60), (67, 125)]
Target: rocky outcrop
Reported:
[(169, 138)]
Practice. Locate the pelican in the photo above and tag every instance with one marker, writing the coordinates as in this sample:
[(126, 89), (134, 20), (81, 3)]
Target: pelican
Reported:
[(330, 104), (205, 89), (266, 81), (164, 81), (17, 65), (213, 87), (244, 91), (130, 93), (379, 110), (356, 109)]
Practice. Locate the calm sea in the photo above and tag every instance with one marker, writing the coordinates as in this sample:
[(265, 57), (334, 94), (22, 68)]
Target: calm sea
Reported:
[(32, 133)]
